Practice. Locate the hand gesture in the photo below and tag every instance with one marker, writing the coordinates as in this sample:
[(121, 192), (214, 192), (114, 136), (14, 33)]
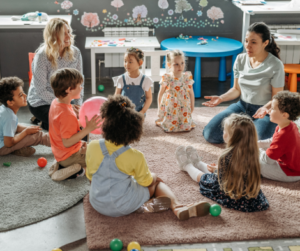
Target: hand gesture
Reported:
[(76, 109), (260, 113), (32, 130), (94, 123), (214, 101), (212, 167)]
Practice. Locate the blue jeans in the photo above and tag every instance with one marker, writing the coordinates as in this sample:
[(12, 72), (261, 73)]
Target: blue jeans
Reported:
[(213, 131)]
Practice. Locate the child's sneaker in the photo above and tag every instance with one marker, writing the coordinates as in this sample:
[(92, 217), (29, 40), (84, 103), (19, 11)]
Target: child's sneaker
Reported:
[(66, 172), (181, 157), (34, 120), (24, 152), (193, 156), (81, 173), (53, 168)]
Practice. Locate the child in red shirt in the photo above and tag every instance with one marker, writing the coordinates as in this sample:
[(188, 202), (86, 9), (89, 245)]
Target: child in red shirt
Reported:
[(281, 160), (64, 129)]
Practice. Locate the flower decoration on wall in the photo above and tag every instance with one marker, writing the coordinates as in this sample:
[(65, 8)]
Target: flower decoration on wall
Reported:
[(66, 5), (117, 4), (139, 12), (75, 12), (104, 11), (115, 17), (170, 12), (155, 20), (203, 3), (90, 19), (182, 5), (222, 21), (163, 4), (215, 13), (199, 13)]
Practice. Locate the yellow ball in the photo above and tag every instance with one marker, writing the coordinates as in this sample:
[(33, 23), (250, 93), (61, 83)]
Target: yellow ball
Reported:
[(133, 245), (56, 249)]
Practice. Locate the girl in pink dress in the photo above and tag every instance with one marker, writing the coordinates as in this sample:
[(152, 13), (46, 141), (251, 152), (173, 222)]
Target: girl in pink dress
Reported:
[(176, 96)]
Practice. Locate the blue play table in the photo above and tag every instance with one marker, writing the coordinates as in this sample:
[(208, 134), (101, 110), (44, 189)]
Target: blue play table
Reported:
[(222, 48)]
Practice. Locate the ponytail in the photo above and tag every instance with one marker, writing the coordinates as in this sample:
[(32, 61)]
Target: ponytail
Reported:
[(263, 30)]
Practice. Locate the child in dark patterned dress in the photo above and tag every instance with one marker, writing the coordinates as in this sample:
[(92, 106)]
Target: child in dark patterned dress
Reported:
[(235, 182)]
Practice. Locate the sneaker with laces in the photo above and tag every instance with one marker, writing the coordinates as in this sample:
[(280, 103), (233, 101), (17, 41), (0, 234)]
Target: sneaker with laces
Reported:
[(34, 120), (81, 173), (193, 156), (24, 152), (66, 172), (181, 157)]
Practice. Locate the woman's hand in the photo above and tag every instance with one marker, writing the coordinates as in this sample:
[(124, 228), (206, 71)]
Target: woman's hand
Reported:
[(212, 167), (214, 101), (261, 113), (76, 109)]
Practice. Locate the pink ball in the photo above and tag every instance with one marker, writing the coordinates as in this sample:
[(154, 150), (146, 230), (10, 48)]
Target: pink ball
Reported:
[(90, 108)]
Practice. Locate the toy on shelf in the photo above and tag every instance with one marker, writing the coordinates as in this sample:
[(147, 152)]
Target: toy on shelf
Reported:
[(133, 245), (101, 88), (215, 210), (42, 162), (7, 164), (116, 245), (32, 16), (89, 109)]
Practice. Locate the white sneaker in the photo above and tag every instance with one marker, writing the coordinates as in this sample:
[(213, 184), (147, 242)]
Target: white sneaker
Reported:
[(193, 156), (181, 157)]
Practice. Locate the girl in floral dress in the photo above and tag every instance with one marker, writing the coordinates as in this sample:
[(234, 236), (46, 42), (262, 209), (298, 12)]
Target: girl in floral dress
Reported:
[(176, 96), (235, 182)]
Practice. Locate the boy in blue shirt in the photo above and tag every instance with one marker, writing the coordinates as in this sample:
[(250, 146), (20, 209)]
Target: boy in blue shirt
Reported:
[(15, 138)]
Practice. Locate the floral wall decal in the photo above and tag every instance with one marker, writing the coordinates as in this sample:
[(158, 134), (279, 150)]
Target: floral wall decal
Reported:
[(163, 4), (90, 19), (203, 3), (182, 5), (117, 4), (215, 13), (66, 5)]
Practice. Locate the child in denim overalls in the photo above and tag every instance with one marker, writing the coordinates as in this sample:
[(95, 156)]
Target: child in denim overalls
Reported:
[(121, 180), (133, 84)]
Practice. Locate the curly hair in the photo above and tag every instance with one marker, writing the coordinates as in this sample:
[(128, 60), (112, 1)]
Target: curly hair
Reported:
[(137, 53), (7, 86), (288, 102), (122, 125), (52, 32), (64, 78)]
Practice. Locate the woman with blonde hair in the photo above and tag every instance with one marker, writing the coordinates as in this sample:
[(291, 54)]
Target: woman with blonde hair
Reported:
[(57, 52), (235, 182)]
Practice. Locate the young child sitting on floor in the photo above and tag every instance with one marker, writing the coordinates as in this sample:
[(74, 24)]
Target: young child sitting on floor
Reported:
[(281, 160), (64, 129), (133, 84), (121, 180), (15, 138), (236, 184), (176, 96)]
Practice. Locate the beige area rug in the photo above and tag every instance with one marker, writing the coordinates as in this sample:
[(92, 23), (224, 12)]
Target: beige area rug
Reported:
[(280, 221)]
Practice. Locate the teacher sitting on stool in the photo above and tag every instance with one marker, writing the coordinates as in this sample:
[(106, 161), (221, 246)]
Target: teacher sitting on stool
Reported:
[(258, 76), (55, 53)]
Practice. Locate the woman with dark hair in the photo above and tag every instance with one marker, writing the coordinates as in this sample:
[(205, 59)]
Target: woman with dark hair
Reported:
[(258, 76)]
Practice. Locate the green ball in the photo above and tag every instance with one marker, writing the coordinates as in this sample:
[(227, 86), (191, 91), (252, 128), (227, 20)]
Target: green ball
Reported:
[(116, 245), (101, 88), (215, 210)]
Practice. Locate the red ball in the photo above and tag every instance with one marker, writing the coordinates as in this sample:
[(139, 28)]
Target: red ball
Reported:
[(42, 162)]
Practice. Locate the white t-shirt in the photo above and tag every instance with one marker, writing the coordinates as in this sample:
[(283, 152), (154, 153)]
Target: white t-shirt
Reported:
[(147, 84)]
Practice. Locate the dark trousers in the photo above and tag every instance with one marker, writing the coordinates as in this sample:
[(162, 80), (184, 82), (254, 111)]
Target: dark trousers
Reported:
[(42, 114)]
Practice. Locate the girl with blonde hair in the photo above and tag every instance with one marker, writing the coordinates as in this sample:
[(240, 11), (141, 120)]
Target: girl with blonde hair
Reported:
[(57, 52), (235, 182)]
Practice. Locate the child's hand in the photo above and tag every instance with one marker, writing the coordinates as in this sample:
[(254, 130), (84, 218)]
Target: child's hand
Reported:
[(32, 130), (94, 123), (212, 167), (159, 179)]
